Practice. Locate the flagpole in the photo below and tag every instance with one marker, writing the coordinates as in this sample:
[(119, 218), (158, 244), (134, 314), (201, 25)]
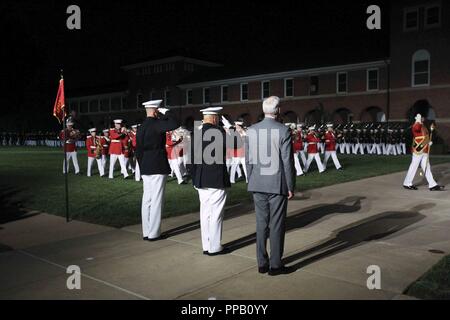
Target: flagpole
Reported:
[(66, 175)]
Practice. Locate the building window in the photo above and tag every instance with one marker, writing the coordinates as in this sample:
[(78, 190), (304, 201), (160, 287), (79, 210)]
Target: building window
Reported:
[(244, 91), (265, 89), (167, 98), (341, 82), (206, 98), (124, 103), (139, 100), (432, 16), (372, 79), (74, 106), (411, 19), (188, 67), (224, 95), (93, 106), (189, 96), (104, 105), (314, 85), (421, 68), (84, 107), (115, 104), (288, 87)]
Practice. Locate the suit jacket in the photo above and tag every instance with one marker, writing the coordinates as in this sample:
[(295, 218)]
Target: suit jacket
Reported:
[(151, 145), (275, 174), (204, 175)]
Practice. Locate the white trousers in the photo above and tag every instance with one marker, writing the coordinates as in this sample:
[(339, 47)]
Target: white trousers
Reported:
[(137, 171), (212, 208), (316, 157), (112, 161), (152, 204), (99, 165), (235, 162), (175, 166), (333, 156), (422, 160), (358, 147), (303, 156), (73, 156), (104, 161), (298, 167), (391, 150)]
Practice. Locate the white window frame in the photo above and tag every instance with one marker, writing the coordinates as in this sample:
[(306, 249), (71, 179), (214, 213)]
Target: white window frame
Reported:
[(165, 97), (436, 25), (285, 86), (405, 12), (378, 79), (221, 93), (204, 101), (413, 65), (187, 97), (337, 82), (137, 100), (262, 89), (241, 85)]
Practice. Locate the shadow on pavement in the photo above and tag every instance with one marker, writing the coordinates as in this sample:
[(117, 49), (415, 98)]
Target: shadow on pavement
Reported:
[(305, 218), (377, 227), (11, 210)]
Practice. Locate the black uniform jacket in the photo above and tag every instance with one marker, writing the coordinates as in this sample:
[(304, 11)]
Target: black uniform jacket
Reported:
[(151, 145), (204, 175)]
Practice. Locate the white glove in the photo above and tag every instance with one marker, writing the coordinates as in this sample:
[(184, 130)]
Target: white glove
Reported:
[(163, 110), (226, 123), (430, 143)]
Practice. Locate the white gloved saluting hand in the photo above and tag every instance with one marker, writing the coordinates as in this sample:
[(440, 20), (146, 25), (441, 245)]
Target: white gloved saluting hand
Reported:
[(226, 123), (163, 110)]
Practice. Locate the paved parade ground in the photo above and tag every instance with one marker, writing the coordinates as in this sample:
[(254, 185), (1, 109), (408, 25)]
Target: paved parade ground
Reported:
[(333, 235)]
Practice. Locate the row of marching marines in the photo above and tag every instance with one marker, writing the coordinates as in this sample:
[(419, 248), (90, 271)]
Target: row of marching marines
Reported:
[(118, 144)]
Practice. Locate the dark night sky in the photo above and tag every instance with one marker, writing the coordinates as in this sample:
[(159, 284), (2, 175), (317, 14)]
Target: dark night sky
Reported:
[(36, 42)]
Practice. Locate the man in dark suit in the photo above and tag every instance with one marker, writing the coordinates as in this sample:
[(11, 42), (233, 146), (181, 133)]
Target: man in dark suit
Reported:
[(210, 177), (152, 159), (270, 167)]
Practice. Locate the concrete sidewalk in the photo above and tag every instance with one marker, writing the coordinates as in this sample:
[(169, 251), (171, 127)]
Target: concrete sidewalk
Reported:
[(333, 235)]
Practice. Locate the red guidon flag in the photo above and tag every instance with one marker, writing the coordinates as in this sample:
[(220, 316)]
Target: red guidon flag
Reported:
[(59, 110)]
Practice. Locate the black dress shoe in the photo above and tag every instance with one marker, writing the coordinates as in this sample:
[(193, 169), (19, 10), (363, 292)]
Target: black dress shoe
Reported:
[(155, 239), (410, 187), (279, 271), (437, 188), (224, 251), (263, 269), (205, 253), (145, 238)]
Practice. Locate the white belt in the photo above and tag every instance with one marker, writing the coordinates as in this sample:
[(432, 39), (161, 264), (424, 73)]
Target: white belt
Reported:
[(115, 141)]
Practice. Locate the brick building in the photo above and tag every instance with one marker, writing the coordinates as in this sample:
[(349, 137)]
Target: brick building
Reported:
[(415, 77)]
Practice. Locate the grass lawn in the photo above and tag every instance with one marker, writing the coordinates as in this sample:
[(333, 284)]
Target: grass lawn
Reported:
[(435, 284), (32, 178)]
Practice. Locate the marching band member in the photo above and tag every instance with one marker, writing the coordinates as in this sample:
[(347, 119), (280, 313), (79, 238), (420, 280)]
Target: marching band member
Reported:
[(238, 156), (172, 141), (133, 162), (300, 134), (105, 150), (297, 147), (117, 134), (330, 147), (422, 141), (313, 151), (210, 179), (152, 159), (94, 148), (69, 137)]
